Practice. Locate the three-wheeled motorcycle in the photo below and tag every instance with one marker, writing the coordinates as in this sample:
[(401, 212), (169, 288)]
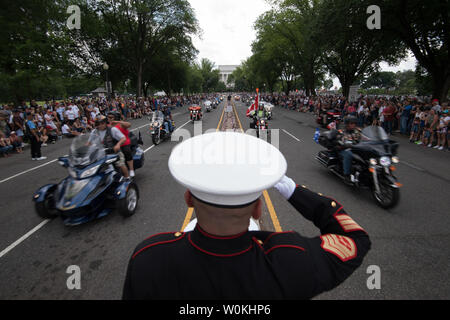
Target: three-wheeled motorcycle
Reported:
[(94, 187)]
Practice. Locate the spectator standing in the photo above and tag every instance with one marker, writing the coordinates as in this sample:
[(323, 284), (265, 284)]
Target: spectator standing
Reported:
[(433, 121), (404, 117), (35, 139), (389, 117)]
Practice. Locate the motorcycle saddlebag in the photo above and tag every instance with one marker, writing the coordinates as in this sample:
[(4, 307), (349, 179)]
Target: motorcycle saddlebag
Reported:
[(328, 138), (327, 158)]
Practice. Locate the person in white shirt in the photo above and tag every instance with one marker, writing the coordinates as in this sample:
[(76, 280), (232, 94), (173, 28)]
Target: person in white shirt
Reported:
[(442, 132), (70, 114), (76, 111), (68, 132)]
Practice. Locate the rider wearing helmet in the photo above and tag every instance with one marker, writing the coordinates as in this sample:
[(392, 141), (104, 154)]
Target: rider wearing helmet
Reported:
[(261, 113), (350, 136)]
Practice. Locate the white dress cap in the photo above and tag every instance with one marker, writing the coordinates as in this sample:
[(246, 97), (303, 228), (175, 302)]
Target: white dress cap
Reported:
[(227, 168)]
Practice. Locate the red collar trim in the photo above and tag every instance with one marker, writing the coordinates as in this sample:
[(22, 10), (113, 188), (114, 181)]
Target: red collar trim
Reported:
[(217, 254), (206, 234)]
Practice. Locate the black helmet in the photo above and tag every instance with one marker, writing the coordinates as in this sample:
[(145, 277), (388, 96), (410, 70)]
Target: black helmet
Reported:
[(116, 115), (351, 119)]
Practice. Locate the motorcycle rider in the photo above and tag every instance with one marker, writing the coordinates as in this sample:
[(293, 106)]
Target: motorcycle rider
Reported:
[(350, 136), (261, 113), (168, 126), (112, 139), (115, 122)]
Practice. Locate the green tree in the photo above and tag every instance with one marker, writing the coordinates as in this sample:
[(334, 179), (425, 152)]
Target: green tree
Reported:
[(32, 51), (351, 50), (424, 27), (382, 80)]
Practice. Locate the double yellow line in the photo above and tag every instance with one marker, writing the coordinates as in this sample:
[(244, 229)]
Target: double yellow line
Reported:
[(273, 214)]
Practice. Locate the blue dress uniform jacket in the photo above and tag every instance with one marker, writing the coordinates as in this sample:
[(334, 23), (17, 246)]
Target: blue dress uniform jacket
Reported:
[(251, 265)]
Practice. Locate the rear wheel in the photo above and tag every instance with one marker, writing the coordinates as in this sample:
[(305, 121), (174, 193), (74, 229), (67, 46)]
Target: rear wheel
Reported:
[(46, 209), (388, 196), (127, 206)]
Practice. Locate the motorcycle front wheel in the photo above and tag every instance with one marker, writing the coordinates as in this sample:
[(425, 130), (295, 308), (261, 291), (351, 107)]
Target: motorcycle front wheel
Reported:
[(127, 206), (46, 209), (388, 197), (156, 139)]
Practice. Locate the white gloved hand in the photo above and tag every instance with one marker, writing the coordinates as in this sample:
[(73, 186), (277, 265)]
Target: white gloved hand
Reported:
[(286, 187)]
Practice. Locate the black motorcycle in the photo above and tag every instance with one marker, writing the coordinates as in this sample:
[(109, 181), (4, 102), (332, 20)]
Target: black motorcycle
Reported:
[(373, 167)]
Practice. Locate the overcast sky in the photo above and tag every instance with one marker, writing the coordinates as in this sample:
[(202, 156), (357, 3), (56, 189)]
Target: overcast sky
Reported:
[(227, 31)]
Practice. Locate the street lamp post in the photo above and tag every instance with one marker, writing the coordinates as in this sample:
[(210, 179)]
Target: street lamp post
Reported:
[(106, 68)]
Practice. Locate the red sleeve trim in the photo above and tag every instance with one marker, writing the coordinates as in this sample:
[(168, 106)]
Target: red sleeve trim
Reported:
[(285, 246), (276, 234), (157, 244), (216, 254)]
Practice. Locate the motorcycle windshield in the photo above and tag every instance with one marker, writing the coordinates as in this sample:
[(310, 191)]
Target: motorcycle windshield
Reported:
[(85, 150), (374, 134), (158, 116)]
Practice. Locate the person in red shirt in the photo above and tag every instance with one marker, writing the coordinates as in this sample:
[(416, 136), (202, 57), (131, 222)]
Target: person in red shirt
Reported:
[(126, 147), (389, 116)]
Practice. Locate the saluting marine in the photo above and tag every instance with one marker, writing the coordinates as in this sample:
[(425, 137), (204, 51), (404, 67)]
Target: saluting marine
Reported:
[(220, 258)]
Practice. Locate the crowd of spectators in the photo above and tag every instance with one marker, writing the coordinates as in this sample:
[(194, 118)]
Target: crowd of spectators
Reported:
[(69, 118), (424, 121)]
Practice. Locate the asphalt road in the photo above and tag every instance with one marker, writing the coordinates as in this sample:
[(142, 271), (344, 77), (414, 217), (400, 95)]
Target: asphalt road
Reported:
[(409, 243)]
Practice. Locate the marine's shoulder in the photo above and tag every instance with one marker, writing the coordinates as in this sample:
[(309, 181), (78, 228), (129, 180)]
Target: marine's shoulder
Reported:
[(270, 241), (157, 240)]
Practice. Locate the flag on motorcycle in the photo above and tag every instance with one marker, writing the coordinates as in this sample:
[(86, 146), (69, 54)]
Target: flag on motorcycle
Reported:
[(317, 135), (253, 107), (332, 126)]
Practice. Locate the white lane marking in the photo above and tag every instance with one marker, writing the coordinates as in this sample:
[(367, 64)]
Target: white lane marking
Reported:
[(182, 126), (291, 135), (23, 238), (145, 151), (412, 166), (140, 127), (26, 171)]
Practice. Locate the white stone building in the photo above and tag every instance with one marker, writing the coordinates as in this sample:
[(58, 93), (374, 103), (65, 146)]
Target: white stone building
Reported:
[(224, 72)]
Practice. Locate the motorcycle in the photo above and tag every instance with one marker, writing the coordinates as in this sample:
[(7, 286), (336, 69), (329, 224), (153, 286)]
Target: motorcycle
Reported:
[(94, 187), (208, 107), (262, 129), (328, 117), (373, 167), (158, 129), (196, 113)]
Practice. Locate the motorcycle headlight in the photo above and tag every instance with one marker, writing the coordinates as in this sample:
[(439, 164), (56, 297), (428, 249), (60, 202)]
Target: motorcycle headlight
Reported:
[(74, 188), (155, 124), (90, 172), (262, 121), (395, 160), (373, 162), (385, 161)]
